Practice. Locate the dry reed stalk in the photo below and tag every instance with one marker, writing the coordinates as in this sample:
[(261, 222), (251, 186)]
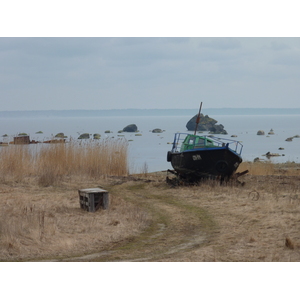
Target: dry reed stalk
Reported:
[(15, 162), (108, 157), (51, 163)]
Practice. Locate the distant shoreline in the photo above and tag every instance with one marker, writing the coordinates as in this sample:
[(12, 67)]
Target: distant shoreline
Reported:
[(148, 112)]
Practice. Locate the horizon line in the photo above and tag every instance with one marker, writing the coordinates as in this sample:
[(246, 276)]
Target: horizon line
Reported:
[(91, 109)]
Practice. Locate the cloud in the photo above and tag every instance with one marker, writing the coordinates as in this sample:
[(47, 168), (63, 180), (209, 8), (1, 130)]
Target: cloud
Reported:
[(95, 73)]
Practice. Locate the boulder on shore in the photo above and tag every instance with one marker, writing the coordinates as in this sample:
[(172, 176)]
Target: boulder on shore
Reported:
[(130, 128), (206, 124)]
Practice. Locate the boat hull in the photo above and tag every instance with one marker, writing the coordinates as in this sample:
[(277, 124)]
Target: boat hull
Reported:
[(196, 164)]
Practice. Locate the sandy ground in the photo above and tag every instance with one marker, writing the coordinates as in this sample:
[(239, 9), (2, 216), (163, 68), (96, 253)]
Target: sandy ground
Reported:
[(149, 220)]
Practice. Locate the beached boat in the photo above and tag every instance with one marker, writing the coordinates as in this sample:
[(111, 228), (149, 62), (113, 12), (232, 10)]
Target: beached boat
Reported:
[(194, 157)]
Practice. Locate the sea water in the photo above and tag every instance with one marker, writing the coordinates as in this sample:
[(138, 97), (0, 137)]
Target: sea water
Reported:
[(148, 151)]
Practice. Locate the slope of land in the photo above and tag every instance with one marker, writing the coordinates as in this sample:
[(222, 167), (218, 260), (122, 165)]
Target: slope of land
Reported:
[(149, 220)]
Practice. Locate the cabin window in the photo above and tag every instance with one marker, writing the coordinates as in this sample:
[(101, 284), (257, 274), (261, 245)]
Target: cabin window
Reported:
[(200, 143), (192, 142), (209, 143)]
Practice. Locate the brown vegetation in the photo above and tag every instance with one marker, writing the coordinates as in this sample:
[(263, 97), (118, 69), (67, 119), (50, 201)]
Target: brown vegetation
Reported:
[(51, 163), (147, 220)]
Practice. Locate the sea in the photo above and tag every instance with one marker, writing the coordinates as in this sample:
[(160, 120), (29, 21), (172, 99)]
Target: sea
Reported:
[(147, 151)]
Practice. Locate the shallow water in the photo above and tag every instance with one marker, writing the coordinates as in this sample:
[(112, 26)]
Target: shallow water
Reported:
[(148, 152)]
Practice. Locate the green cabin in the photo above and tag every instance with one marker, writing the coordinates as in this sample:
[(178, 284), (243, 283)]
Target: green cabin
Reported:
[(194, 141)]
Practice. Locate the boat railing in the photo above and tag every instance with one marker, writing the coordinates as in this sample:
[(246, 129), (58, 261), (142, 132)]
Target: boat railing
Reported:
[(234, 145)]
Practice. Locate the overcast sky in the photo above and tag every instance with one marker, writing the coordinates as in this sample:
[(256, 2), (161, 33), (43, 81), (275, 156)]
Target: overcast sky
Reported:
[(113, 73)]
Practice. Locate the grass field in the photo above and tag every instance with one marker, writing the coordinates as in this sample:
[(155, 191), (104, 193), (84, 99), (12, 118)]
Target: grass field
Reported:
[(147, 220)]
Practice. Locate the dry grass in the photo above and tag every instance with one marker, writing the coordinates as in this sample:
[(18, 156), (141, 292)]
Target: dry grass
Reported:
[(37, 223), (255, 222), (257, 168), (53, 162), (40, 214), (259, 222), (268, 168)]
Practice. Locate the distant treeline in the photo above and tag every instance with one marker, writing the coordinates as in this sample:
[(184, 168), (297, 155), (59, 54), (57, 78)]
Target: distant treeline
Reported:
[(147, 112)]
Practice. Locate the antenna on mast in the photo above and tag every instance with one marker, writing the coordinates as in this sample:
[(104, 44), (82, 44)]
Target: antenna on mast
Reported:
[(198, 118)]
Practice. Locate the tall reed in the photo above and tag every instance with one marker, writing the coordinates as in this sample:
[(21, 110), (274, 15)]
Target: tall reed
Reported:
[(15, 162), (52, 162), (106, 158)]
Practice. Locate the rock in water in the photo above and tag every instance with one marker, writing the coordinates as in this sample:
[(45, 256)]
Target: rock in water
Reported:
[(130, 128), (260, 132), (84, 136), (206, 124), (60, 135), (157, 130)]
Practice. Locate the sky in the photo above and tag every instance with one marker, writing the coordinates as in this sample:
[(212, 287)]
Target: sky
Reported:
[(42, 72)]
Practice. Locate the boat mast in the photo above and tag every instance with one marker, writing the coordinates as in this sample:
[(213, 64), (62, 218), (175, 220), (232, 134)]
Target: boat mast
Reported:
[(198, 118)]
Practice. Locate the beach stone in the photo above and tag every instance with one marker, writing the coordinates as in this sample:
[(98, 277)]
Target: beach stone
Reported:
[(130, 128), (60, 135), (84, 136), (271, 131), (157, 130), (260, 132), (96, 136), (269, 154), (290, 139)]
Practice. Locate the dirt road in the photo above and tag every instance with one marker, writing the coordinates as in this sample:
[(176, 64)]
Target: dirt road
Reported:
[(256, 222)]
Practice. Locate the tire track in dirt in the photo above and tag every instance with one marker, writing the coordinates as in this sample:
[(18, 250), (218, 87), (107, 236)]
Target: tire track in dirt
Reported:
[(176, 228)]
